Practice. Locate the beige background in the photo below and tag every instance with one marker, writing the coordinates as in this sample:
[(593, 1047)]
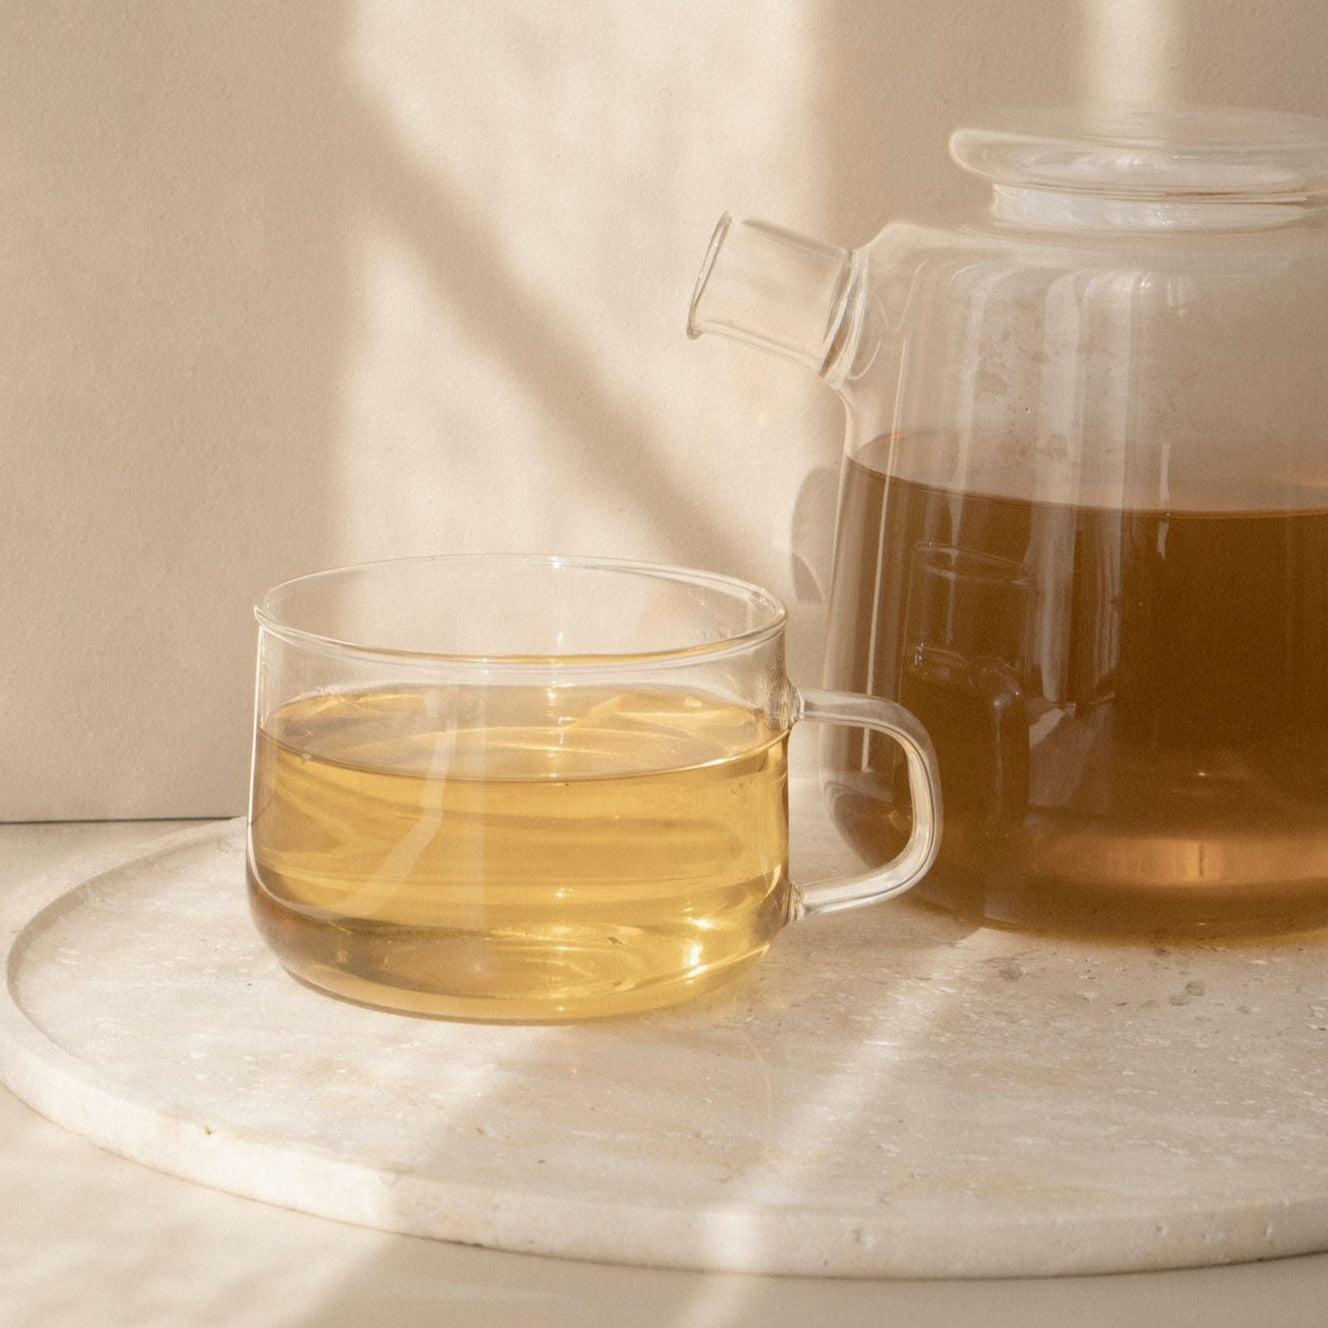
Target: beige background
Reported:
[(285, 286)]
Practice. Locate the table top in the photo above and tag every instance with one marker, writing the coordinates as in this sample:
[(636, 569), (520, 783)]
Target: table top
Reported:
[(85, 1234)]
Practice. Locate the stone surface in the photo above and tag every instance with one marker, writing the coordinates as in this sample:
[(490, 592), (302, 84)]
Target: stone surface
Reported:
[(889, 1093)]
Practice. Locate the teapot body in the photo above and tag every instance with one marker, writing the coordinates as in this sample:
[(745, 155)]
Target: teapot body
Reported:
[(1083, 531)]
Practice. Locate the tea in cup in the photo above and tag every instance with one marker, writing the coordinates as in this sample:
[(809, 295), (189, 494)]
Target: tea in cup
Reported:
[(536, 789)]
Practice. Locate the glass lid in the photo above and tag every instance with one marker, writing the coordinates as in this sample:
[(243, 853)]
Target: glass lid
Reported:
[(1152, 153)]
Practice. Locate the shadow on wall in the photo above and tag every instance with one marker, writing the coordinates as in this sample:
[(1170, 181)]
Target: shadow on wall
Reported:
[(898, 79), (179, 263), (531, 337), (185, 191), (174, 285)]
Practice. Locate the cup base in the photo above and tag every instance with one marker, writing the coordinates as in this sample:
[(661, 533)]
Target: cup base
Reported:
[(512, 1010), (481, 977)]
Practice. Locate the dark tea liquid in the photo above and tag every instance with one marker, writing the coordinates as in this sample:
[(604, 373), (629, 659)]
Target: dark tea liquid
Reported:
[(1130, 708)]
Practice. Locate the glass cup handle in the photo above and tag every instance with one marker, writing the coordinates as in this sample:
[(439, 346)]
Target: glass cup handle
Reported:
[(924, 787)]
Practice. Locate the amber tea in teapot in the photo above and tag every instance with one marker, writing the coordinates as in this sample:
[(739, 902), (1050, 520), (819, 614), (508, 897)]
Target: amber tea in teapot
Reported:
[(1165, 721)]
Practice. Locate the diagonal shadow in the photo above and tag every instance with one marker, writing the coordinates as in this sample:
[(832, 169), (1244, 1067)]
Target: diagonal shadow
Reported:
[(526, 329)]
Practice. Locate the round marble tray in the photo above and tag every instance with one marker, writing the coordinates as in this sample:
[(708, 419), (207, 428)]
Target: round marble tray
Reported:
[(889, 1093)]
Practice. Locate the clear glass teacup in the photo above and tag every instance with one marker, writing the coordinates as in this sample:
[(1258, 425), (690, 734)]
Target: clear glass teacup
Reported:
[(536, 788)]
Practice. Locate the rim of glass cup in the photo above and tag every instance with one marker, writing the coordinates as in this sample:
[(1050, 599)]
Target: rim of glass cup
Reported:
[(776, 616)]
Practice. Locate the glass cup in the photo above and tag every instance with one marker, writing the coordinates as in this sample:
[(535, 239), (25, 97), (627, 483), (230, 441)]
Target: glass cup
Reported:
[(536, 788)]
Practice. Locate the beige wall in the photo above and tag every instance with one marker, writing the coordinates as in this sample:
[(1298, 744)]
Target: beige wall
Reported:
[(286, 286)]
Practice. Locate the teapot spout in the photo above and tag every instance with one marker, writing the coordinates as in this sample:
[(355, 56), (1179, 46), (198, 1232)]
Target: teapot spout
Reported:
[(778, 291)]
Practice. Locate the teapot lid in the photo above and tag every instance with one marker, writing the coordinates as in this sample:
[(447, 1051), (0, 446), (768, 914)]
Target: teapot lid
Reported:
[(1152, 153)]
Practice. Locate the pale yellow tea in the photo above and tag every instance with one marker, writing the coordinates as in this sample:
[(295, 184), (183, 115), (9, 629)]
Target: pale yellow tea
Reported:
[(518, 853)]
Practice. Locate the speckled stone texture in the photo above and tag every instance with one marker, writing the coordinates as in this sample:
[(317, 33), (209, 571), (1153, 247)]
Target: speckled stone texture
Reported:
[(888, 1093)]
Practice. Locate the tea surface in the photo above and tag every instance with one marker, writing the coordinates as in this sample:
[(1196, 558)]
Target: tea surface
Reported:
[(518, 853)]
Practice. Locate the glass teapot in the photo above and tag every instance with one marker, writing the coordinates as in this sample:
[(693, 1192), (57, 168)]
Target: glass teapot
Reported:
[(1083, 516)]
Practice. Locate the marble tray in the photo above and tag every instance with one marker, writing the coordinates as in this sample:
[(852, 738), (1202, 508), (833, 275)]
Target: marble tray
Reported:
[(889, 1093)]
